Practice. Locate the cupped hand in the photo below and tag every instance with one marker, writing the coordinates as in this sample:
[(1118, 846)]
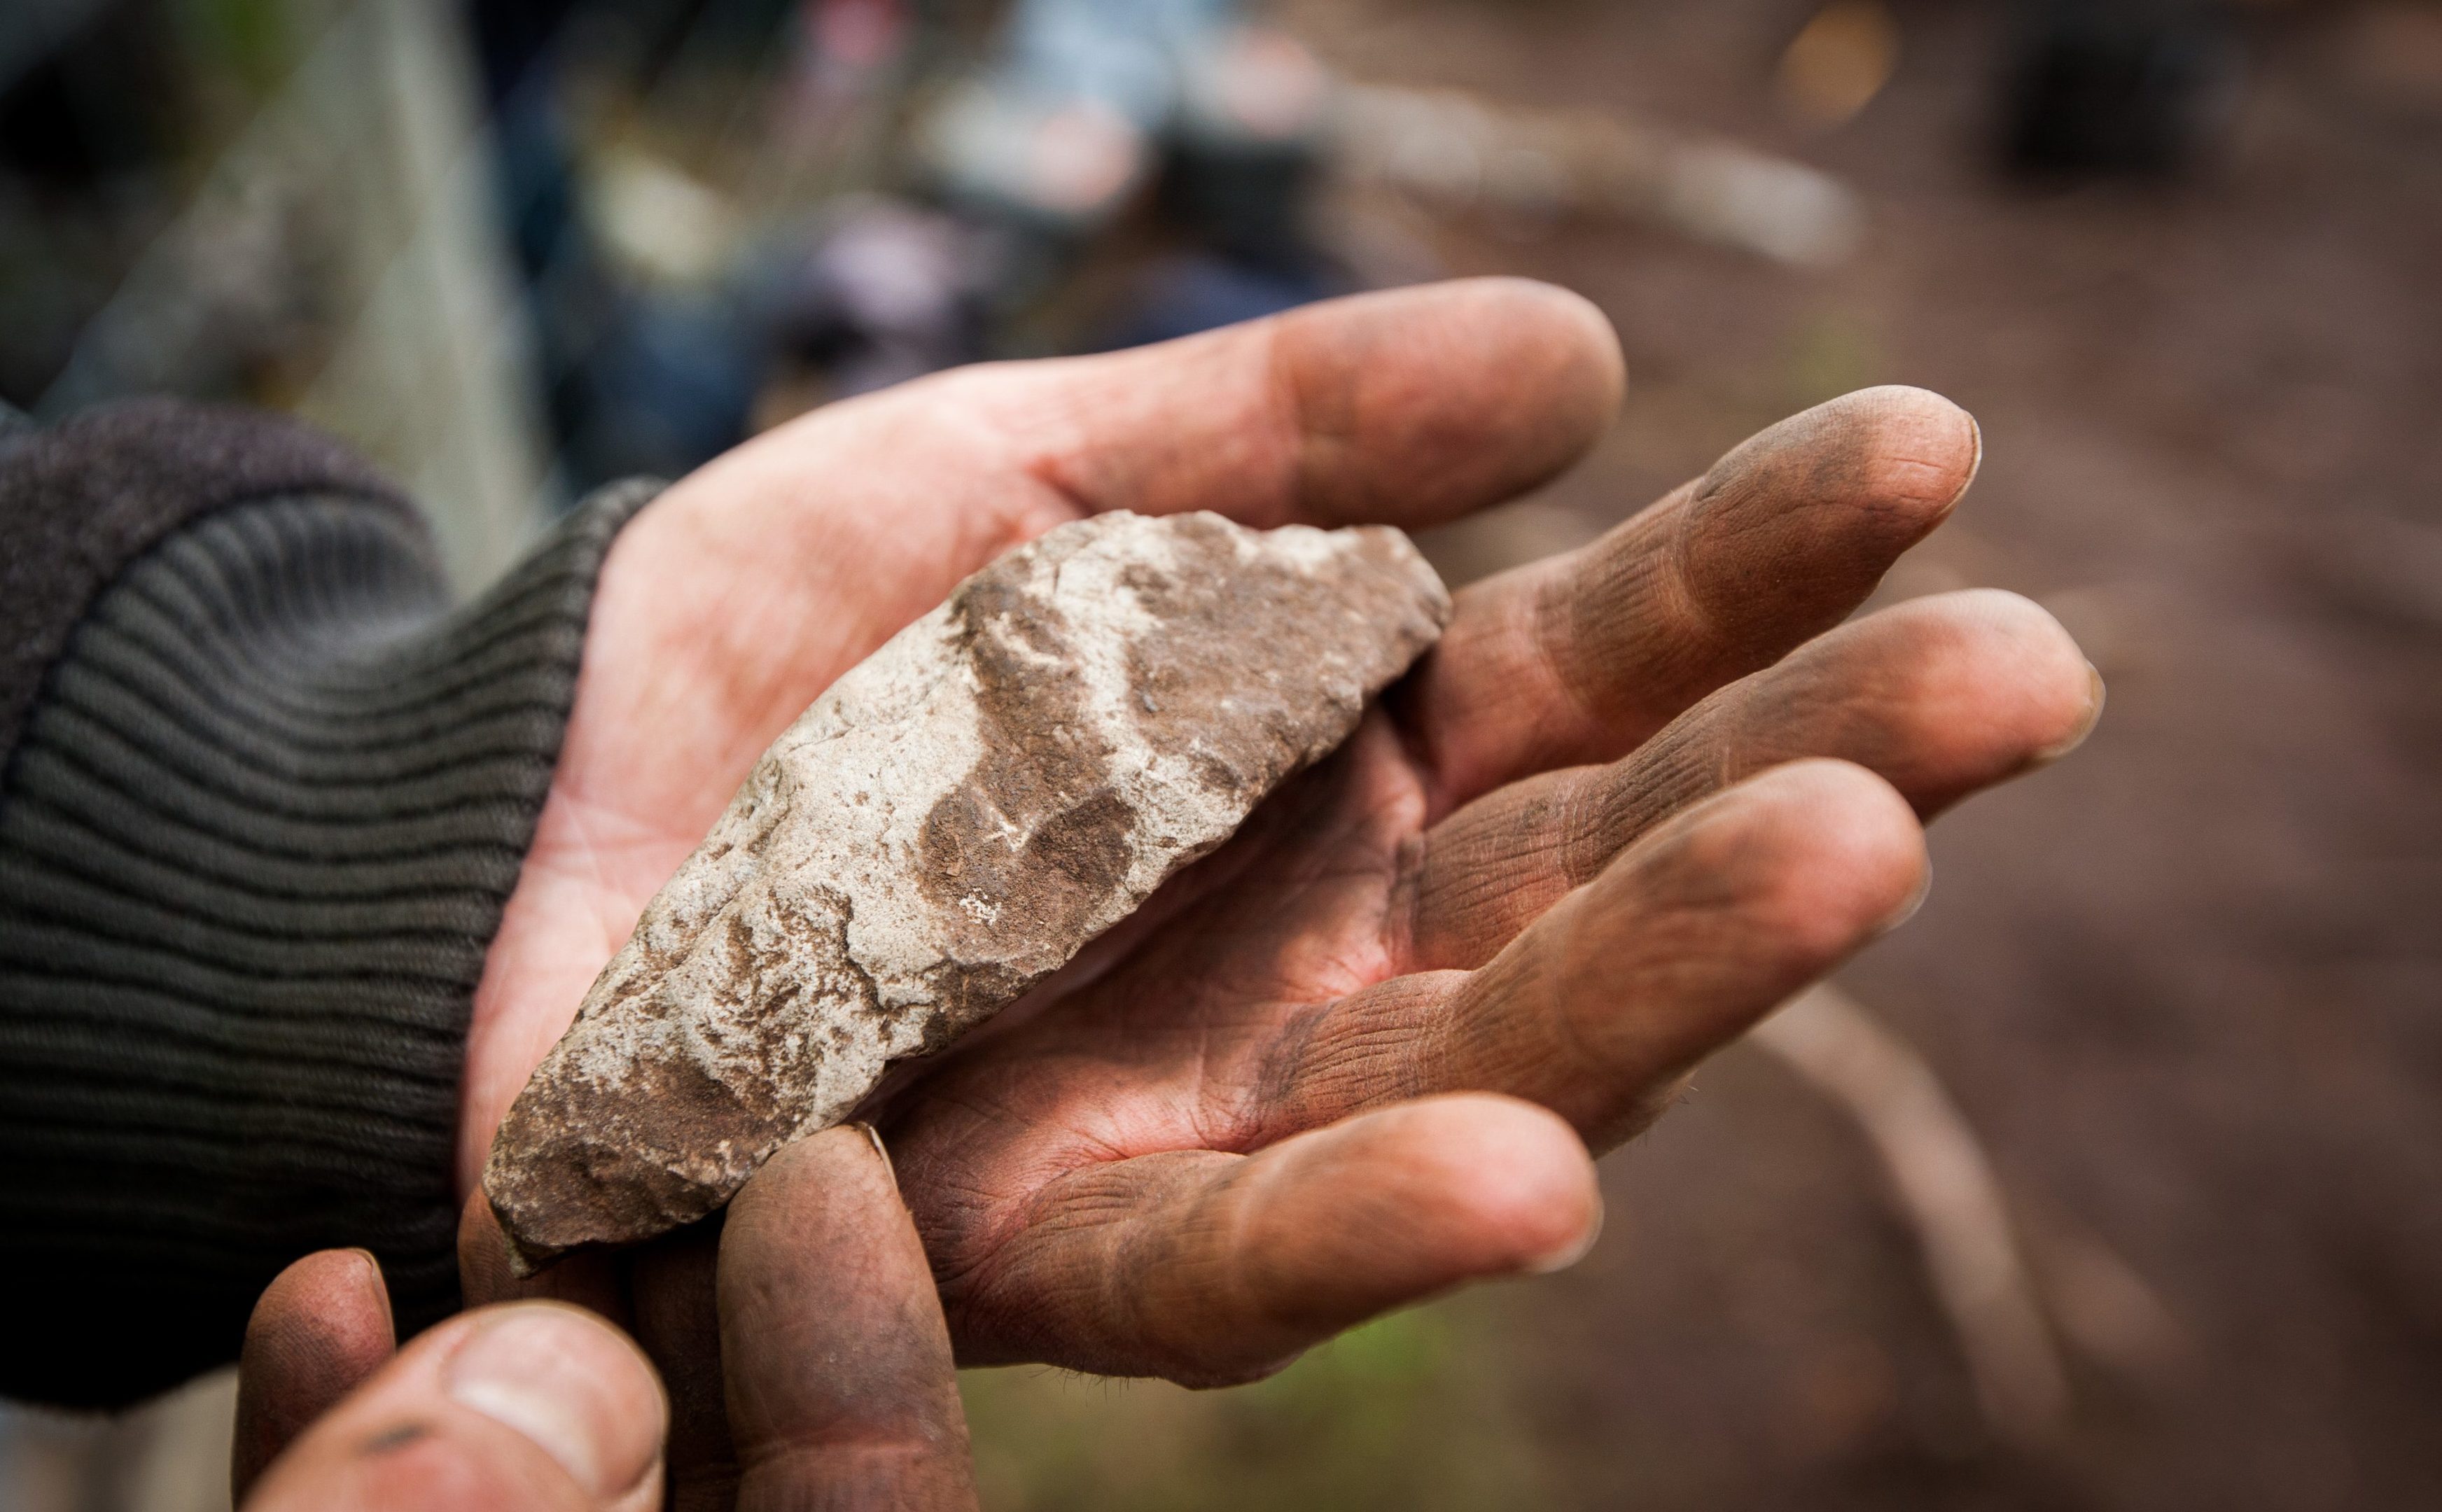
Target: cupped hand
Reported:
[(822, 1335), (1638, 795)]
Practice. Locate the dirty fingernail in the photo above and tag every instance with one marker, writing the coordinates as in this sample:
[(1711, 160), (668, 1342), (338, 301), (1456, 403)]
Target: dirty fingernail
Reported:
[(1974, 462), (570, 1385)]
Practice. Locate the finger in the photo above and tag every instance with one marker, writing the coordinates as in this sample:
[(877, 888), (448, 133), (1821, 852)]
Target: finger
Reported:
[(1599, 1008), (1939, 697), (678, 1323), (662, 1294), (1408, 407), (1211, 1269), (320, 1327), (525, 1406), (842, 1391), (592, 1281), (1580, 657)]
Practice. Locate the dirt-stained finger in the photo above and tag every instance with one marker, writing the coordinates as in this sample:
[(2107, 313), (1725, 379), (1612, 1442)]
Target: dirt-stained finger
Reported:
[(673, 1283), (595, 1282), (1601, 1006), (841, 1387), (1211, 1268), (319, 1330), (1939, 697), (1577, 658), (1406, 406)]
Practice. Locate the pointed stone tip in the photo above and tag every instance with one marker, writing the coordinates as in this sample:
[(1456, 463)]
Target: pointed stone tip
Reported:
[(528, 1256), (527, 1259), (527, 1264)]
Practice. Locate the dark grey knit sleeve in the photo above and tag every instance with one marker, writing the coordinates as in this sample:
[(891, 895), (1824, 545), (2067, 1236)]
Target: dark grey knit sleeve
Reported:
[(263, 808)]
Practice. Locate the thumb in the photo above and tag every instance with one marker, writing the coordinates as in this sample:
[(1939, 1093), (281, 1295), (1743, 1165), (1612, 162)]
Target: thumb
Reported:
[(530, 1405)]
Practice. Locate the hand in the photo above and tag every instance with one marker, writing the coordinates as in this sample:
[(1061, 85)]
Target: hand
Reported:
[(1577, 850), (823, 1333)]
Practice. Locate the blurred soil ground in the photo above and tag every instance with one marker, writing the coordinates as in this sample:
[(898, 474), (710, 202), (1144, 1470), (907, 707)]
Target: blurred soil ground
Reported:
[(2187, 985)]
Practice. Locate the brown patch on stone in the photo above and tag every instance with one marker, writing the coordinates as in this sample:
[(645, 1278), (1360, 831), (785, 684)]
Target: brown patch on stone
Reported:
[(1210, 599), (1034, 841)]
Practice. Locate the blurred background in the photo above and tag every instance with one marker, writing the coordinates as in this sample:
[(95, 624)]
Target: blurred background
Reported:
[(2115, 1181)]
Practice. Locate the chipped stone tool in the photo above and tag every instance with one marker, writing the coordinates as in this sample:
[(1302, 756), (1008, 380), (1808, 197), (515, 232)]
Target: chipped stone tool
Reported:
[(1005, 779)]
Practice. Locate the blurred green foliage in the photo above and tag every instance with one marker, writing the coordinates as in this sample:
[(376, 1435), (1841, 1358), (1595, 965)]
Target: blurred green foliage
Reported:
[(256, 42), (1410, 1411)]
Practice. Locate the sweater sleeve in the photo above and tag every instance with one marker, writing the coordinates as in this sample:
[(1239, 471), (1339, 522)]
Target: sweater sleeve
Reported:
[(266, 794)]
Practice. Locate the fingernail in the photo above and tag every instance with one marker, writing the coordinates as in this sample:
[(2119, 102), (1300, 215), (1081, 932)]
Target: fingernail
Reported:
[(539, 1370), (873, 1138), (2095, 694), (1574, 1250), (1974, 463), (1916, 897)]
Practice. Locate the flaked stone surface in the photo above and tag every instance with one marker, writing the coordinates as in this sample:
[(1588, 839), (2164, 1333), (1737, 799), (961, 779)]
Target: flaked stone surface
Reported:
[(1005, 779)]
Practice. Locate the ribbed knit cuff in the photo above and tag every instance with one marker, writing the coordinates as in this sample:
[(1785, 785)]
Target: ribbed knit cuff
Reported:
[(255, 839)]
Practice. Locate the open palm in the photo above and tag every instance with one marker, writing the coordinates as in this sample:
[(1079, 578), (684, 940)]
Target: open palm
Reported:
[(1358, 1055)]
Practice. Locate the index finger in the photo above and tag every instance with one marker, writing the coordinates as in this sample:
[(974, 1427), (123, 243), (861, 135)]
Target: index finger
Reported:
[(1408, 407), (842, 1389)]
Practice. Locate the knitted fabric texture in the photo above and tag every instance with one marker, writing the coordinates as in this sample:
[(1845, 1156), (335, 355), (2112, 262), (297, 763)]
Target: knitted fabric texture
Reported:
[(80, 501), (255, 838)]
